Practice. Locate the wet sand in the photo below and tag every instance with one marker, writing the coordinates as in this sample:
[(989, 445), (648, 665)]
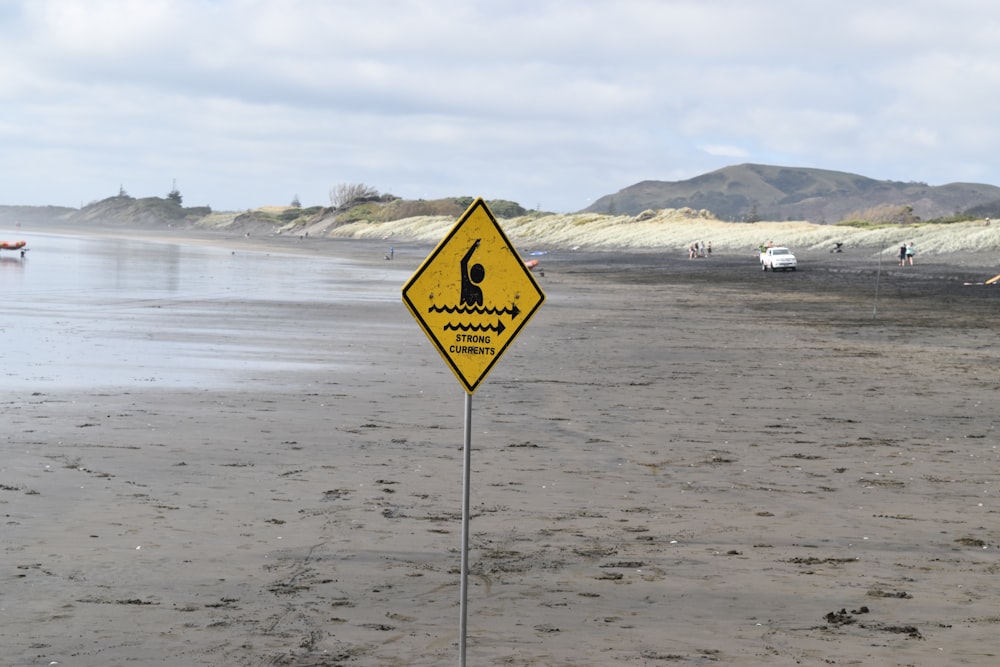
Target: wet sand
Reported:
[(676, 462)]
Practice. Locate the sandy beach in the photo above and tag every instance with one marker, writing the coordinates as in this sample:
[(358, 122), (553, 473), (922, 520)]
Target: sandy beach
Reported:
[(678, 461)]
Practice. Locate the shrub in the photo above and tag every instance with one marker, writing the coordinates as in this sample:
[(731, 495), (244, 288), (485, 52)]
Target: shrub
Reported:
[(345, 194)]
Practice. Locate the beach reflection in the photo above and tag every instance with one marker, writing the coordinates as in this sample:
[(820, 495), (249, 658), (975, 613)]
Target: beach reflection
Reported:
[(85, 312)]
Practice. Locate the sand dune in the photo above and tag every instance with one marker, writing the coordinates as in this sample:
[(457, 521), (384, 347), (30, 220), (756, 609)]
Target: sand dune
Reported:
[(674, 230)]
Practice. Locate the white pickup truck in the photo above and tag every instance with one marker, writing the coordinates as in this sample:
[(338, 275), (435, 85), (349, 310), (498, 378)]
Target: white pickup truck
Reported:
[(777, 259)]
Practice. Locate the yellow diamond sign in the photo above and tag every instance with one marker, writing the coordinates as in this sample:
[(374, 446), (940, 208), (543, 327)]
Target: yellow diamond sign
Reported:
[(473, 295)]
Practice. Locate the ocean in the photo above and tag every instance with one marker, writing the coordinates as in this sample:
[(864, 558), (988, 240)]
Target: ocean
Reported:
[(88, 312)]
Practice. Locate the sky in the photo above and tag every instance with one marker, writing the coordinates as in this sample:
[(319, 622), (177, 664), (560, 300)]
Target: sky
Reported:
[(549, 103)]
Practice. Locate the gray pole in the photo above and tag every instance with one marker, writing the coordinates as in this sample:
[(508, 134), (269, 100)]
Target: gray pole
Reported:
[(466, 475), (878, 274)]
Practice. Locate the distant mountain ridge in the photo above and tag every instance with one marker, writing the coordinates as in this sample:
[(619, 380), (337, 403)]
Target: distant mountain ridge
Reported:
[(749, 192), (741, 193)]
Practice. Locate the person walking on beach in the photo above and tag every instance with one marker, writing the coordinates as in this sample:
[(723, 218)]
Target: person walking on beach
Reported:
[(909, 253), (902, 255)]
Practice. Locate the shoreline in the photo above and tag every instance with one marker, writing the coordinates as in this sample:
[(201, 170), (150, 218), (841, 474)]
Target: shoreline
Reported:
[(985, 255)]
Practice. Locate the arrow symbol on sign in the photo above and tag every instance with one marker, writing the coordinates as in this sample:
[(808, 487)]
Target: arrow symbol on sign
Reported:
[(513, 311), (498, 329)]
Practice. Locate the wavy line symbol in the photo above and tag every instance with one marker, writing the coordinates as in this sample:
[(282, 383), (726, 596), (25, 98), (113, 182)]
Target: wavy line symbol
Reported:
[(498, 328), (513, 311)]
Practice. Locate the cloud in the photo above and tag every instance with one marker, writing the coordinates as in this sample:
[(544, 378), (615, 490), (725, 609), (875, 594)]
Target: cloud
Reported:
[(558, 102), (722, 150)]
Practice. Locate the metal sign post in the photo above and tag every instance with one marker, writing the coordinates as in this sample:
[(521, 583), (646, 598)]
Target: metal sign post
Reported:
[(472, 296), (878, 274), (463, 605)]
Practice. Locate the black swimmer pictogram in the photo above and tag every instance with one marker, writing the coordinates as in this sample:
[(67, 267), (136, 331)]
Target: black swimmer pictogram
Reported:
[(472, 293)]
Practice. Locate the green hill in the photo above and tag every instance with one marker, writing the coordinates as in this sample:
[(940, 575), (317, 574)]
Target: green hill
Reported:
[(750, 192)]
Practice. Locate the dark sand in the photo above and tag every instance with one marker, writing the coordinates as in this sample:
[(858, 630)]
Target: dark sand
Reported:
[(677, 462)]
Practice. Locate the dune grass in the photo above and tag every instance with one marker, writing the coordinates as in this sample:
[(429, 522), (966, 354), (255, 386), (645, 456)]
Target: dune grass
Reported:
[(676, 229)]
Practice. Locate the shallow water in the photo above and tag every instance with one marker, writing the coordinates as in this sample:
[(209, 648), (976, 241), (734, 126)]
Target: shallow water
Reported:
[(86, 312)]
